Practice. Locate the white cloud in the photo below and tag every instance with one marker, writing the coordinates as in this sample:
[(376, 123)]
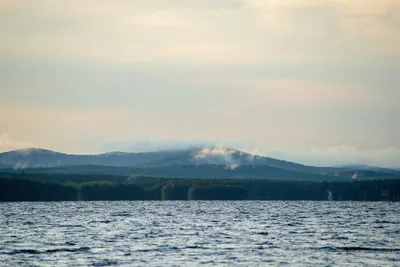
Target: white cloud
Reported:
[(247, 31), (217, 155)]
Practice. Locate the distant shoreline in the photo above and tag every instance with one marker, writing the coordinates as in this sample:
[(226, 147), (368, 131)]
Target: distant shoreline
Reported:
[(45, 187)]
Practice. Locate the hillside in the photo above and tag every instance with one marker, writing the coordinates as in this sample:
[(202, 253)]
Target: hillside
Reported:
[(190, 163)]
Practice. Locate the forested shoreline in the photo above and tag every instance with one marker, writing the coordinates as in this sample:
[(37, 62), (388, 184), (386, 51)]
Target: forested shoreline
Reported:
[(20, 187)]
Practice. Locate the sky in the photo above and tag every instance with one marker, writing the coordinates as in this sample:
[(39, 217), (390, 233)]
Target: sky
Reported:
[(313, 81)]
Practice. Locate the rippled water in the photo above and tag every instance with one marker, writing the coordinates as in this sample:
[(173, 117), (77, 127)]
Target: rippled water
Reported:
[(248, 233)]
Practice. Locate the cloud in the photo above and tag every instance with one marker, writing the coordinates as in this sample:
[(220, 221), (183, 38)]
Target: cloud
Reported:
[(20, 165), (223, 155), (231, 32), (217, 155), (214, 151), (146, 144)]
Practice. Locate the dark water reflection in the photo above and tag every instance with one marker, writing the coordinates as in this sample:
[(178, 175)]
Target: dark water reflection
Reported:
[(248, 233)]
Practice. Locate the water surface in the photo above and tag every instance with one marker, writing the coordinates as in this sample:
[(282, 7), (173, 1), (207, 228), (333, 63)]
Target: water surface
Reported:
[(200, 233)]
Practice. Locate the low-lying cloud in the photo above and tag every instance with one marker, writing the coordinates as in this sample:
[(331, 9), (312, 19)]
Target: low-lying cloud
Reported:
[(20, 165), (219, 155)]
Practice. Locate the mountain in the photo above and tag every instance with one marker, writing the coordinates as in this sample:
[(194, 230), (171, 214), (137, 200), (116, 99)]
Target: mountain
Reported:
[(212, 162), (368, 168), (42, 158)]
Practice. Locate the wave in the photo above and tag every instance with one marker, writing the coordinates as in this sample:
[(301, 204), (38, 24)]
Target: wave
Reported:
[(330, 248), (57, 250)]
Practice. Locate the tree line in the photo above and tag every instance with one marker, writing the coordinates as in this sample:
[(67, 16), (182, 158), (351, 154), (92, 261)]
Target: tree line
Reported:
[(146, 188)]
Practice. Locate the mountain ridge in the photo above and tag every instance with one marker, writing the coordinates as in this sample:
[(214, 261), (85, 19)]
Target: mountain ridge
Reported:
[(205, 154), (232, 164)]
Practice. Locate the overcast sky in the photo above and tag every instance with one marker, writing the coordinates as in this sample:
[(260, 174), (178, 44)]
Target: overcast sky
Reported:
[(314, 81)]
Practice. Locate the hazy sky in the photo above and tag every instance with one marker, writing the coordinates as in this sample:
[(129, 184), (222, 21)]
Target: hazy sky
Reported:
[(309, 80)]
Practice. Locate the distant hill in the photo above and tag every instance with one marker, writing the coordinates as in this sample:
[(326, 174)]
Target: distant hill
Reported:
[(211, 162), (368, 168), (42, 158)]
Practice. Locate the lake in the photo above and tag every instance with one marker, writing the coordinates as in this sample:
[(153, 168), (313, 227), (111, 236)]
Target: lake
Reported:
[(200, 233)]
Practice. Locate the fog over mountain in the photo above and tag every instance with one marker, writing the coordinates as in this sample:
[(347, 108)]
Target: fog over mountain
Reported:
[(205, 162), (231, 158)]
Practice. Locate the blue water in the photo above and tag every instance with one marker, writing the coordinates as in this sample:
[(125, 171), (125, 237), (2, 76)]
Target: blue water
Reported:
[(197, 233)]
